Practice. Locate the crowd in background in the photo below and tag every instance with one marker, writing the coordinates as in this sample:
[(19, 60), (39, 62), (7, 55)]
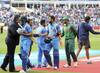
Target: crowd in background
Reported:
[(75, 13)]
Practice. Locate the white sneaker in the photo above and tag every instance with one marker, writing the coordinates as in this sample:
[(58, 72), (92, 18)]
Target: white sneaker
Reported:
[(22, 71), (49, 66), (66, 66), (89, 62), (55, 68), (75, 64)]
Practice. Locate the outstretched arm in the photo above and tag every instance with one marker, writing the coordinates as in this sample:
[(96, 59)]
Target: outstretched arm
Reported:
[(91, 30), (27, 34)]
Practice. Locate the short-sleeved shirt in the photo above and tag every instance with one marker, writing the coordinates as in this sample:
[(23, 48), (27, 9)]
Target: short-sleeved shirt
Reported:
[(41, 30), (83, 31), (28, 29), (53, 29)]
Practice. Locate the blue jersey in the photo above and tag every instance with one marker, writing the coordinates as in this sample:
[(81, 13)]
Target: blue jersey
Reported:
[(53, 29), (28, 29), (42, 30)]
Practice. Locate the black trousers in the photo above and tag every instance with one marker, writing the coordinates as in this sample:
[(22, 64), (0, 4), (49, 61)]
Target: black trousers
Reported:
[(9, 58)]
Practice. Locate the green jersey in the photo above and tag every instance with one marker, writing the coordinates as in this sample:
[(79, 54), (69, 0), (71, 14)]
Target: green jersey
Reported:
[(69, 31)]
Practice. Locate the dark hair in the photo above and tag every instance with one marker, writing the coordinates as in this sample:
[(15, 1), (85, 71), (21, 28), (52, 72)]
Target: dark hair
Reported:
[(42, 22), (52, 17), (16, 17), (23, 19), (28, 20), (87, 18)]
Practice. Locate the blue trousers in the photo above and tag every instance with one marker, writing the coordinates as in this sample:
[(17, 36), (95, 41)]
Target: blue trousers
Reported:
[(55, 45), (41, 47), (25, 48)]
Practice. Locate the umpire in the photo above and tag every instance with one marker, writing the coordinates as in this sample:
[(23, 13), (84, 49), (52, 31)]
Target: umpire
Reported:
[(12, 40)]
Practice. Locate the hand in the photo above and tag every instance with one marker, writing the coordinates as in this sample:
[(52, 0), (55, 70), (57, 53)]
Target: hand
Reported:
[(50, 36), (20, 31)]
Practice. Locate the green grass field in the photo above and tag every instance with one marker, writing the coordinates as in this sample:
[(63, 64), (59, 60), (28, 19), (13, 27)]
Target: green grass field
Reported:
[(94, 40)]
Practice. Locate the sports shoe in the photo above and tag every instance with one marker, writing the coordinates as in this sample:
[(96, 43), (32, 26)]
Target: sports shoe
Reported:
[(89, 62), (55, 68), (66, 66), (14, 71), (75, 64), (3, 68), (49, 66), (22, 71)]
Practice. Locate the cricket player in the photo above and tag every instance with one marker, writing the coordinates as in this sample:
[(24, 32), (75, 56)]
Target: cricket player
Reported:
[(41, 44), (23, 22), (70, 32), (25, 43), (52, 43)]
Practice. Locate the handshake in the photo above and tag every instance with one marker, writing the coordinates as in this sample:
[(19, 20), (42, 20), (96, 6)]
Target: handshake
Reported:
[(20, 31)]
